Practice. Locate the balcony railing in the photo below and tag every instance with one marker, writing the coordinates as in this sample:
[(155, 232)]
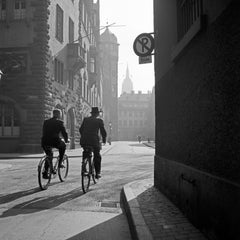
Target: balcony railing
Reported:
[(189, 11), (190, 22), (76, 56)]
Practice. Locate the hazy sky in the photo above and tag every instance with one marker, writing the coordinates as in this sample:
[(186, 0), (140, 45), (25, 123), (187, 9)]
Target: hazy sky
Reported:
[(137, 18)]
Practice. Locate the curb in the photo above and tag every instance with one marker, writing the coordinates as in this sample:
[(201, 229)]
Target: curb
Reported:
[(137, 224), (149, 145)]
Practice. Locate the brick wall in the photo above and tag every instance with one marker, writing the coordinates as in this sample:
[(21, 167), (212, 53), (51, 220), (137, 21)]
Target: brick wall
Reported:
[(35, 86)]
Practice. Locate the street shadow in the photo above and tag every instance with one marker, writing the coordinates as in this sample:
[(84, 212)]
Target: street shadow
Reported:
[(41, 203), (13, 196), (137, 145), (113, 228)]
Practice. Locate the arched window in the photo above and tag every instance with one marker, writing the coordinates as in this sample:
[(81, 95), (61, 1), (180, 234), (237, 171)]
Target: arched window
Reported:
[(9, 121)]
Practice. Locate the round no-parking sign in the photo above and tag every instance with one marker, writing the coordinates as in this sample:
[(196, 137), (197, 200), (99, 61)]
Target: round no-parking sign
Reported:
[(143, 44)]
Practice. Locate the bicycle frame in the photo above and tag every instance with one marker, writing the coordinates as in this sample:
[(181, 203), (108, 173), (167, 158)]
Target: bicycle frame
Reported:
[(87, 174), (54, 170)]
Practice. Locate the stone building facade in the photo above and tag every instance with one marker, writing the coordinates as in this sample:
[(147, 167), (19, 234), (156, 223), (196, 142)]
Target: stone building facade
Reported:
[(135, 116), (109, 62), (197, 119), (48, 54)]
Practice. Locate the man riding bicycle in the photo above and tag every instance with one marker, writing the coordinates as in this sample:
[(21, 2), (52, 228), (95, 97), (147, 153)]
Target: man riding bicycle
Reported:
[(89, 132), (52, 128)]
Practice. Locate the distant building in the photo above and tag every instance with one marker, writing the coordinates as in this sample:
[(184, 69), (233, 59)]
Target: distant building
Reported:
[(109, 62), (48, 54), (127, 85), (133, 114)]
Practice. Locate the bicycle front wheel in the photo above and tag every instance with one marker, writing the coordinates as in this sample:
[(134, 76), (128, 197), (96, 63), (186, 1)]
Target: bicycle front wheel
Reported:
[(85, 174), (63, 172), (44, 175)]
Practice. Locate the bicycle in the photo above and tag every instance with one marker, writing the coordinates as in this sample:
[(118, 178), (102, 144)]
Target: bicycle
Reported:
[(88, 169), (52, 173)]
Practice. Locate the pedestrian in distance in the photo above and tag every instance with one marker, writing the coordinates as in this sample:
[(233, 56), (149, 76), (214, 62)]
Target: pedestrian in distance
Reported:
[(89, 137)]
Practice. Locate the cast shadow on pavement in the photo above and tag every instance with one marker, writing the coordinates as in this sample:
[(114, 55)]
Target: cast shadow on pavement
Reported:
[(113, 228), (41, 203), (13, 196), (137, 145)]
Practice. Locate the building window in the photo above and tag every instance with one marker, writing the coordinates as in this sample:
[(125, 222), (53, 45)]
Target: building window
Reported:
[(71, 79), (71, 30), (13, 62), (58, 71), (9, 121), (95, 19), (20, 9), (92, 65), (59, 24), (135, 123), (2, 9), (189, 11)]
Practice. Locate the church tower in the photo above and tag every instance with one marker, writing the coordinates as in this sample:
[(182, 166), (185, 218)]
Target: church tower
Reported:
[(109, 61), (127, 86)]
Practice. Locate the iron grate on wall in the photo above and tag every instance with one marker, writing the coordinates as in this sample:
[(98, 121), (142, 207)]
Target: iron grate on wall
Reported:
[(109, 204)]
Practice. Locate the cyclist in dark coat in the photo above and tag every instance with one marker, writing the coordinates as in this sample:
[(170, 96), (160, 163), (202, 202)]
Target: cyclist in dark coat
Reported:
[(89, 132), (52, 128)]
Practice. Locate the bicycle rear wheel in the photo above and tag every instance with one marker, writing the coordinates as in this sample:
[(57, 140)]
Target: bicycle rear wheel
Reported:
[(95, 180), (63, 172), (43, 182), (85, 174)]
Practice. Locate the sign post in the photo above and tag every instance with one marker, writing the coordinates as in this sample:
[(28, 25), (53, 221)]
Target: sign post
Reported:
[(143, 44), (147, 59)]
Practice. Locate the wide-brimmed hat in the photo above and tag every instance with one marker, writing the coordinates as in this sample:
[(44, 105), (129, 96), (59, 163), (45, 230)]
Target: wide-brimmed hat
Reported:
[(95, 110)]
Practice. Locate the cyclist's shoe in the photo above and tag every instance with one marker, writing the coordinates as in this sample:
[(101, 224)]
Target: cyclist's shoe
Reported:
[(45, 175), (98, 175), (61, 165), (53, 171)]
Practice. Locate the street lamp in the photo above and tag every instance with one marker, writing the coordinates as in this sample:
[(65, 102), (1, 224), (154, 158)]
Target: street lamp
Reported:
[(1, 74), (110, 133)]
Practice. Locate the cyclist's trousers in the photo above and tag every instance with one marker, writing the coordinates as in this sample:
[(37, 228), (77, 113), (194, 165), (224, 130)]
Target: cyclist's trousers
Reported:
[(97, 158), (61, 146)]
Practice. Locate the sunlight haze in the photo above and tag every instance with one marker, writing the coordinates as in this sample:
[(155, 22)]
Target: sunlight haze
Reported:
[(130, 19)]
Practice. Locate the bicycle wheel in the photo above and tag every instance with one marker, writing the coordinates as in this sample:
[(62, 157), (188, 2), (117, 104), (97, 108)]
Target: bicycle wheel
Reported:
[(95, 180), (43, 182), (85, 174), (63, 172)]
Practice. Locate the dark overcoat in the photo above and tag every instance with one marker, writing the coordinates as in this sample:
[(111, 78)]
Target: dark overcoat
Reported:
[(89, 131), (52, 130)]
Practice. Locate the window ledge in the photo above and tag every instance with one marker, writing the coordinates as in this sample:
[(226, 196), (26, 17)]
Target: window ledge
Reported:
[(9, 137), (194, 29)]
